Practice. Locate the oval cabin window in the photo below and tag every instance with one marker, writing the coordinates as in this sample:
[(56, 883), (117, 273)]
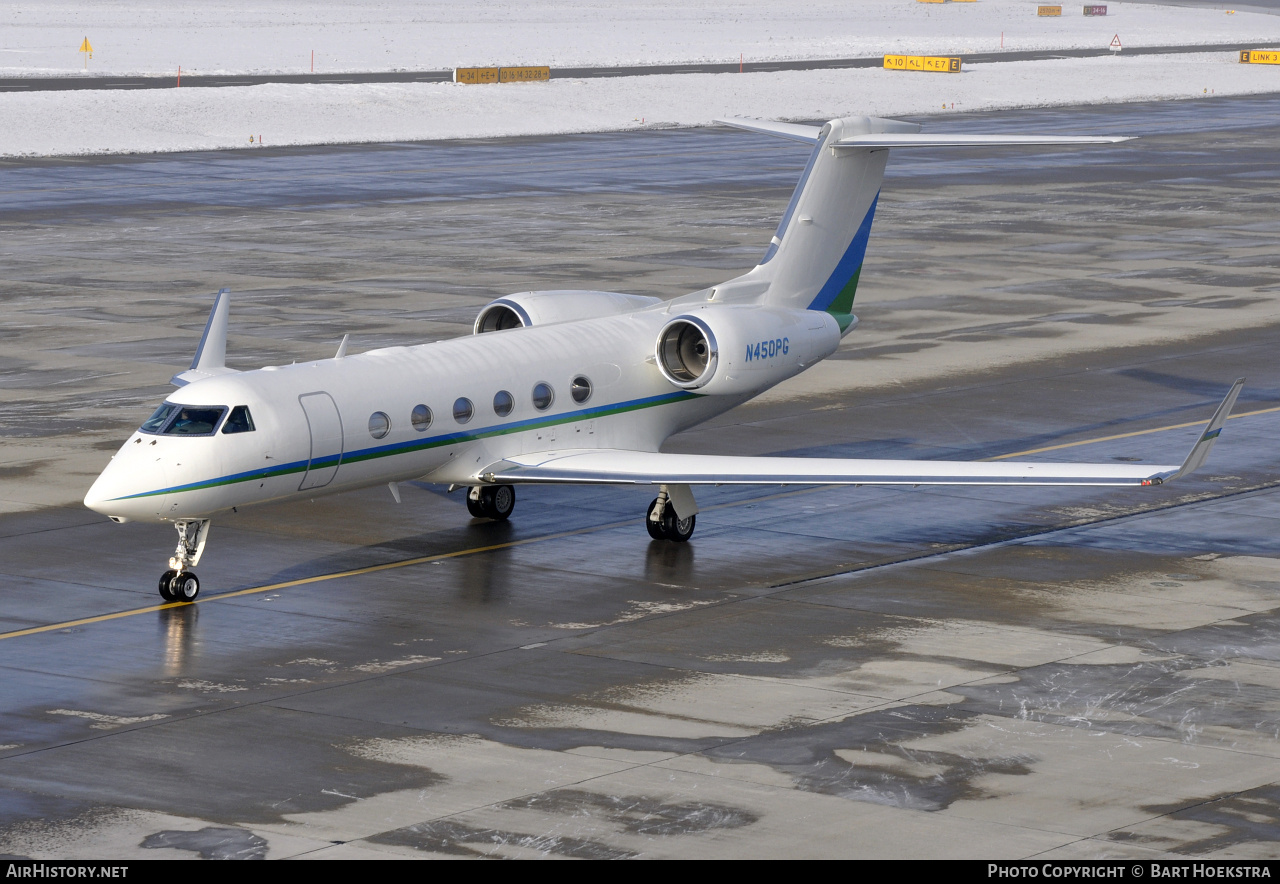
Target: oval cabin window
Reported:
[(463, 410), (503, 402), (379, 424), (420, 417), (543, 396)]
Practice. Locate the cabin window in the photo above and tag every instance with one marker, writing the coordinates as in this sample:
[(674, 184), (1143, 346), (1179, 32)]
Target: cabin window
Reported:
[(503, 402), (239, 421), (463, 410), (580, 389), (420, 417), (158, 419), (379, 424), (195, 420), (543, 396)]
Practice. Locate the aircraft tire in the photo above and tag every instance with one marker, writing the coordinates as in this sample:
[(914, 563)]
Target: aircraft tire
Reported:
[(499, 501), (477, 507), (185, 587), (675, 528), (165, 579), (653, 525)]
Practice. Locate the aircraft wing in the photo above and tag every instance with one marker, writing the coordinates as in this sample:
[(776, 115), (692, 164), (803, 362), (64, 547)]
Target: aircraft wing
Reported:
[(622, 467), (617, 466)]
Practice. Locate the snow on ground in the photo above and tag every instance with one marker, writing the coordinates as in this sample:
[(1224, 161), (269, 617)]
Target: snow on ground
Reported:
[(251, 36), (117, 121), (220, 36)]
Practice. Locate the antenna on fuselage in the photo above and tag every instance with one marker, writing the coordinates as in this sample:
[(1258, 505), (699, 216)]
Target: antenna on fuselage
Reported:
[(342, 348)]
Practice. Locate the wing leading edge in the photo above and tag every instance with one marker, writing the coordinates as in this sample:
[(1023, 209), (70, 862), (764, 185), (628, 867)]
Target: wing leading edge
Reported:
[(621, 467)]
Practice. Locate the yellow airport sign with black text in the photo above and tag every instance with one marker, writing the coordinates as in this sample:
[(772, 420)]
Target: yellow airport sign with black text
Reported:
[(524, 75), (1048, 10), (935, 63), (501, 75), (1255, 56), (475, 75)]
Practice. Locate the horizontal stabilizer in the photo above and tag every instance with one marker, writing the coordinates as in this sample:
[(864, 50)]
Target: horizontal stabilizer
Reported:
[(211, 354), (793, 131), (918, 140)]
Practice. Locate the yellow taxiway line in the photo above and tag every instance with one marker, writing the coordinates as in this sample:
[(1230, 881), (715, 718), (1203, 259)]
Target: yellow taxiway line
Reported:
[(422, 560), (1122, 436)]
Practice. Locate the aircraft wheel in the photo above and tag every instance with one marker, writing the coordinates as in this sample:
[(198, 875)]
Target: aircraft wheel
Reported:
[(476, 507), (165, 579), (654, 526), (675, 528), (499, 501), (185, 587)]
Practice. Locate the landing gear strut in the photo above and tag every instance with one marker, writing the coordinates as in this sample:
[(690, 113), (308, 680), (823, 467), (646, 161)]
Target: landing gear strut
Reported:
[(491, 501), (664, 523), (179, 584)]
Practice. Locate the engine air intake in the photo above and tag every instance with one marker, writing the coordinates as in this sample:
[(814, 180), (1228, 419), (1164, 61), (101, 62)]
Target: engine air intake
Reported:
[(687, 352), (501, 315)]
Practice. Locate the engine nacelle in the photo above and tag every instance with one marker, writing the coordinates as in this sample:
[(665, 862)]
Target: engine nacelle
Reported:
[(728, 349), (546, 308)]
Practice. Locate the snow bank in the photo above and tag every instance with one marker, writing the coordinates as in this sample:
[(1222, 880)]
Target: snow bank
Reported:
[(82, 122), (221, 36)]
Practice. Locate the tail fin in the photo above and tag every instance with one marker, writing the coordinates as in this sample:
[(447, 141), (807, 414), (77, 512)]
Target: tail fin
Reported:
[(815, 259)]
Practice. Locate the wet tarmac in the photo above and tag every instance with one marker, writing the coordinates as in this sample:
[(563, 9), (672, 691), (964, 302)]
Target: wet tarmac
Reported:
[(820, 672)]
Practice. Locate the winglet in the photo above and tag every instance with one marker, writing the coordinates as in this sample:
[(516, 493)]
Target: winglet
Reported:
[(211, 354), (1200, 451)]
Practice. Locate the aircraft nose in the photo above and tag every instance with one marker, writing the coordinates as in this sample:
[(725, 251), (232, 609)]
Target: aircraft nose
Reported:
[(101, 496), (113, 492)]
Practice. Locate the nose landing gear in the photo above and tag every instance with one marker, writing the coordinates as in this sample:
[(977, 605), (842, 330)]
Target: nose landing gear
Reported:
[(491, 501), (179, 584)]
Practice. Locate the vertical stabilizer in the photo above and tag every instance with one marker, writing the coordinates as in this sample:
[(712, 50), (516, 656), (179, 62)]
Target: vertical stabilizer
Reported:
[(211, 354), (815, 258)]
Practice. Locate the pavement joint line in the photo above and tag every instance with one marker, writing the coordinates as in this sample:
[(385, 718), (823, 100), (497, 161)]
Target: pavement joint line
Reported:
[(421, 560)]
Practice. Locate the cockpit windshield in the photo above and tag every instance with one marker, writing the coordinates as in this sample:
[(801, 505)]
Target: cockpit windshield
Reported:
[(240, 421), (159, 418), (171, 419), (195, 420)]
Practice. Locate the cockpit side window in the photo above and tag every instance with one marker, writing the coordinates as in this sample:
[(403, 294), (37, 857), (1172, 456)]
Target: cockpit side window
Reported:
[(240, 421), (195, 420), (158, 419)]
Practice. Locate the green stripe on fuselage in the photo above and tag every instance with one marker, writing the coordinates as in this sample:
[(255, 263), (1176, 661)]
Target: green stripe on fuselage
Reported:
[(426, 444)]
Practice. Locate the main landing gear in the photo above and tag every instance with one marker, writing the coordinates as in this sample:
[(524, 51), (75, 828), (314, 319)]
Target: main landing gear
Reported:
[(179, 584), (664, 523), (491, 501)]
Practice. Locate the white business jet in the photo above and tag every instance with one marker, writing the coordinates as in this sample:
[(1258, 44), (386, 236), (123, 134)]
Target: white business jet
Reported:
[(567, 387)]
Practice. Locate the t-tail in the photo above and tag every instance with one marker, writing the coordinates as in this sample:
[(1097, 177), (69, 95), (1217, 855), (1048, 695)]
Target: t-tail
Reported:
[(814, 261)]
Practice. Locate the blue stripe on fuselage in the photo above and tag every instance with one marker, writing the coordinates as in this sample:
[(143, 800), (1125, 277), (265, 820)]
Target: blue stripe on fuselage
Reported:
[(411, 445)]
